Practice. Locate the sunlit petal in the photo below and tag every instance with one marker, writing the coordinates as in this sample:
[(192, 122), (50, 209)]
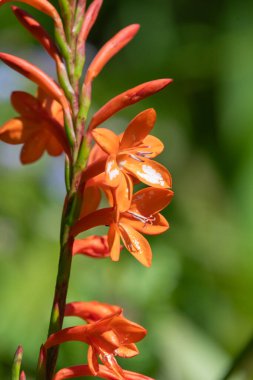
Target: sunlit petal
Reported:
[(138, 129), (136, 244), (155, 225), (106, 139), (114, 242), (150, 200), (147, 171)]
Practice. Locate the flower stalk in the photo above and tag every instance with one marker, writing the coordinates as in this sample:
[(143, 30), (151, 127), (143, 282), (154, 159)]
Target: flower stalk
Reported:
[(96, 160)]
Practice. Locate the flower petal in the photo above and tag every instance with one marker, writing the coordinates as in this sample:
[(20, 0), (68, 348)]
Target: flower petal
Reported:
[(97, 218), (112, 172), (114, 242), (33, 148), (107, 140), (92, 246), (112, 47), (124, 192), (127, 98), (93, 361), (150, 200), (136, 244), (90, 311), (110, 362), (157, 224), (26, 104), (54, 148), (150, 147), (127, 351), (138, 129), (147, 171), (16, 131)]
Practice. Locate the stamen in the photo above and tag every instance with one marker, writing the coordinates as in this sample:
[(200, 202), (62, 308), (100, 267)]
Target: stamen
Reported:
[(145, 219)]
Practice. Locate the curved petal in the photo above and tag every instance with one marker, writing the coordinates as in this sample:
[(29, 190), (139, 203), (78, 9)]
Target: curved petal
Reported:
[(17, 131), (110, 362), (136, 244), (112, 172), (93, 361), (150, 200), (107, 140), (112, 47), (147, 171), (54, 148), (127, 98), (150, 147), (90, 311), (124, 192), (96, 154), (138, 129), (33, 148), (90, 200), (25, 104), (127, 351), (92, 246), (114, 242), (97, 218), (155, 225)]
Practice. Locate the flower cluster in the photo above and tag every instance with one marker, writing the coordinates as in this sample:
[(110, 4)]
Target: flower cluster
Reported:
[(97, 160)]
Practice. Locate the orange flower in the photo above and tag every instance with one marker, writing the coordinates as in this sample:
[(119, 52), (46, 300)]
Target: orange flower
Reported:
[(39, 126), (103, 373), (130, 153), (98, 336), (142, 217)]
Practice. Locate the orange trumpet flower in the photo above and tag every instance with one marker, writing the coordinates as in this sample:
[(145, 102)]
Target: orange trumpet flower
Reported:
[(130, 153), (103, 373), (98, 336), (142, 217), (39, 126)]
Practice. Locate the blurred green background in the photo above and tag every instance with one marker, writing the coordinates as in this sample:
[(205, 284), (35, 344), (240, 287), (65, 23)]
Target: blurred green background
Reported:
[(196, 300)]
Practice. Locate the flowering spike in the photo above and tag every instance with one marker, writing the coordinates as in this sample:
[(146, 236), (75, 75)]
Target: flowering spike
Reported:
[(36, 75), (89, 20), (127, 98), (37, 31), (112, 47)]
